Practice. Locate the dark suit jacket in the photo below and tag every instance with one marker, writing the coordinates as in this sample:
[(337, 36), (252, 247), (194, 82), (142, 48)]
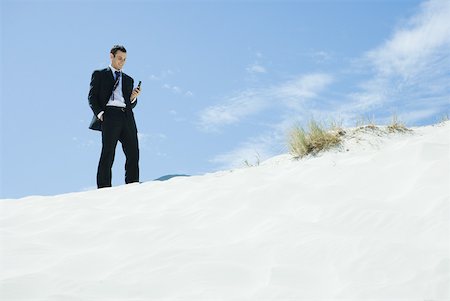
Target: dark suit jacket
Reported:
[(102, 84)]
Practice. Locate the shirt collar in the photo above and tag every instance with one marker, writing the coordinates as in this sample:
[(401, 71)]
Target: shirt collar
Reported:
[(114, 69)]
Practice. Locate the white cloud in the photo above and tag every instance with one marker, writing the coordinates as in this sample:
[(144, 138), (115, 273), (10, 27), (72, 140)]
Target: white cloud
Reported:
[(288, 95), (418, 115), (253, 152), (150, 141), (321, 56), (236, 158), (256, 68), (412, 66), (425, 38), (233, 110), (177, 90), (295, 92)]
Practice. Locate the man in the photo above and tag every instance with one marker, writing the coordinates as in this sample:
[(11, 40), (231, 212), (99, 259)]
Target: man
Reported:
[(112, 99)]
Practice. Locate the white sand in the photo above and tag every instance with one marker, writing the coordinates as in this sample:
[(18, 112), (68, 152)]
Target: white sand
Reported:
[(370, 223)]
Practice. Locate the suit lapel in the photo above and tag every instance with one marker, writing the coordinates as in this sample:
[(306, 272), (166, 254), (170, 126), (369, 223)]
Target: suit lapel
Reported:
[(126, 94), (110, 79), (110, 75), (124, 85)]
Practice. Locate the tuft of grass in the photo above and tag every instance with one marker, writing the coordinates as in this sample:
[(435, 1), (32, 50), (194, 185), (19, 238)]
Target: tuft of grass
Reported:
[(257, 162), (366, 123), (397, 126), (443, 118), (313, 140)]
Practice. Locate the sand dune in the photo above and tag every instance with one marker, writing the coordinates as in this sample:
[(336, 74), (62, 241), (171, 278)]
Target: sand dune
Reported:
[(370, 221)]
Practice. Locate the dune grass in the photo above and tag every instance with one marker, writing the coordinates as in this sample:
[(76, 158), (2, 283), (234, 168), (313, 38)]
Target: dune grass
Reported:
[(364, 122), (314, 139), (397, 126), (317, 137), (443, 118)]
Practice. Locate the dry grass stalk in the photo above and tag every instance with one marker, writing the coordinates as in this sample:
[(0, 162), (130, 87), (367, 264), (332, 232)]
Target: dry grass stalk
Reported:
[(313, 141), (444, 118), (397, 126)]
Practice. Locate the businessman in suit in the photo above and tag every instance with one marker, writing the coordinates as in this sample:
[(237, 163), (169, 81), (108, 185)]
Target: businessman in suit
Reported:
[(112, 99)]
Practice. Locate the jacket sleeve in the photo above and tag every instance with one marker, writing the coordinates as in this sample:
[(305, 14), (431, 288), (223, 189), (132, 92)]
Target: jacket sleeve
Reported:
[(93, 97)]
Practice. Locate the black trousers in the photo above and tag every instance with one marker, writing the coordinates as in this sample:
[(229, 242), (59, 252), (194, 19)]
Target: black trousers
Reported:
[(118, 125)]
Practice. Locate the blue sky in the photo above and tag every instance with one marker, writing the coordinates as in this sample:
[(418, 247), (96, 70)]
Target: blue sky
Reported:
[(222, 81)]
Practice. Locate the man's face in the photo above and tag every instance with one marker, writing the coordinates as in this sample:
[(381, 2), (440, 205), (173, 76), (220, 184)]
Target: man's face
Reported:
[(118, 60)]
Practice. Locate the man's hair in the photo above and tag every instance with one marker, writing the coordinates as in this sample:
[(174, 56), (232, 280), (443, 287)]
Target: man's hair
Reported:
[(117, 48)]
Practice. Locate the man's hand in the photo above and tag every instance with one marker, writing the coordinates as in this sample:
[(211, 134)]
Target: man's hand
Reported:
[(100, 115), (135, 94)]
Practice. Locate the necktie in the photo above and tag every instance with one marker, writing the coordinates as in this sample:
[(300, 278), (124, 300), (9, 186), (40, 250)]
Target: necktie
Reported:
[(117, 73)]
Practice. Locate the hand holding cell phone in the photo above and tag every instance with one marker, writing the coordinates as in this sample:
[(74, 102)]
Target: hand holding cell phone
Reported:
[(136, 92)]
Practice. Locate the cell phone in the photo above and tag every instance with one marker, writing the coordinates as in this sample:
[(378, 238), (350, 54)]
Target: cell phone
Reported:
[(139, 85)]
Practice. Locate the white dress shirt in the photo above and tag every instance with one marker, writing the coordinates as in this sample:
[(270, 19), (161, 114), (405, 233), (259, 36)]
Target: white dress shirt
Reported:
[(116, 98)]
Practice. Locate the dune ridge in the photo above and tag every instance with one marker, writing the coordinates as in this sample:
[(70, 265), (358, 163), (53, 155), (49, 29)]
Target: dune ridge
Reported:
[(368, 221)]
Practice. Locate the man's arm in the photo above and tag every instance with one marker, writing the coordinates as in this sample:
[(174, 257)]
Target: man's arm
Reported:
[(134, 94), (93, 96)]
